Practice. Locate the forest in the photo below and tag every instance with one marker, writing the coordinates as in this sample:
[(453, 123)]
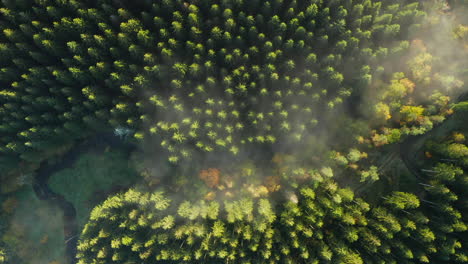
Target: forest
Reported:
[(233, 131)]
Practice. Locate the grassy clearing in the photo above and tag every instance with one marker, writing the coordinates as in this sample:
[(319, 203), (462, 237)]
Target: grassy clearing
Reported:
[(35, 230), (92, 175)]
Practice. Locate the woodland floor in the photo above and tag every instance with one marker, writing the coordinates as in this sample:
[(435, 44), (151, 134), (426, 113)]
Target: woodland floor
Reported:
[(35, 229)]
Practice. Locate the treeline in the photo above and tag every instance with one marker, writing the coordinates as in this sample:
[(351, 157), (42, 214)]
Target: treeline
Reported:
[(318, 222)]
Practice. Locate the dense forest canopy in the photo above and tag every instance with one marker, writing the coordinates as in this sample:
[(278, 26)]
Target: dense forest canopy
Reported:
[(264, 131)]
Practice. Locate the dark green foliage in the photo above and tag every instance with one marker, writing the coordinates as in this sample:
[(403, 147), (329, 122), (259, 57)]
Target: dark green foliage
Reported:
[(446, 187), (197, 77), (215, 76)]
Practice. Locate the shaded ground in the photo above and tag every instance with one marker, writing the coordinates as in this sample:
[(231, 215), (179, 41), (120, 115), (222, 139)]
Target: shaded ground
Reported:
[(91, 174), (35, 231), (411, 150), (95, 144)]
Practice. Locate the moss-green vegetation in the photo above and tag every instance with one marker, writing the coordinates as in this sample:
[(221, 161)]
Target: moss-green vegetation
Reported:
[(33, 229), (91, 178)]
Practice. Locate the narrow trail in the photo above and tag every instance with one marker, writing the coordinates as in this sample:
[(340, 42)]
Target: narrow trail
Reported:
[(411, 149)]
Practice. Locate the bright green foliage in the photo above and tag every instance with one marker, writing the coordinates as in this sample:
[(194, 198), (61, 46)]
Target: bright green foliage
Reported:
[(197, 75), (317, 222), (401, 200), (3, 256), (324, 223), (143, 225)]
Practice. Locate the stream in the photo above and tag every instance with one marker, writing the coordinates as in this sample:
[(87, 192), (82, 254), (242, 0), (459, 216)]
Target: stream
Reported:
[(42, 190)]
